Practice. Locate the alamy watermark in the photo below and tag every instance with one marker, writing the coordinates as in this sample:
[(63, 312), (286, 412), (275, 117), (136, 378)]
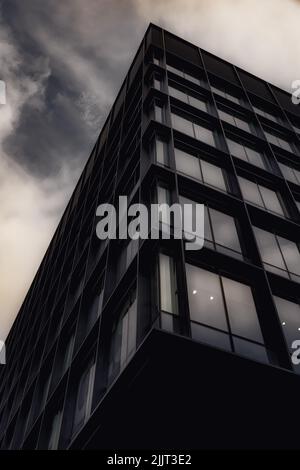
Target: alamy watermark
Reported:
[(177, 221)]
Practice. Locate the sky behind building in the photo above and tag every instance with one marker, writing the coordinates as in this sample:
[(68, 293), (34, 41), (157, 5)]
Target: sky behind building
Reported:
[(63, 63)]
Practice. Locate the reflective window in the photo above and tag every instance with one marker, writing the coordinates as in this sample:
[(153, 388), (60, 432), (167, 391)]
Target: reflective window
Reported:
[(289, 314), (220, 230), (279, 141), (279, 255), (223, 313), (261, 196), (83, 397), (225, 94), (187, 98), (161, 152), (123, 341), (193, 129), (184, 74), (291, 174), (246, 153), (200, 169), (234, 121), (265, 114)]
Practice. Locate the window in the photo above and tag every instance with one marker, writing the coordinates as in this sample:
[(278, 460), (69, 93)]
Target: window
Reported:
[(279, 255), (123, 341), (276, 140), (223, 313), (167, 293), (289, 314), (245, 153), (261, 196), (84, 397), (161, 152), (265, 114), (194, 130), (291, 174), (234, 120), (183, 74), (186, 98), (157, 83), (225, 94), (200, 169), (158, 113), (220, 231)]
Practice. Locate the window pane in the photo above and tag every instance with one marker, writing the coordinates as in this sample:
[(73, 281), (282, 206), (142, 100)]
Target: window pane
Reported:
[(205, 297), (213, 175), (291, 254), (167, 284), (241, 310), (174, 70), (271, 200), (271, 138), (224, 230), (205, 135), (210, 336), (191, 78), (237, 149), (226, 117), (188, 164), (161, 152), (250, 191), (255, 351), (241, 124), (180, 95), (158, 113), (289, 314), (268, 248), (199, 104), (182, 125), (254, 157), (284, 144), (288, 173)]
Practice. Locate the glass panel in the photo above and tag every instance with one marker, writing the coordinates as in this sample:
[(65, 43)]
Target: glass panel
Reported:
[(199, 104), (250, 191), (284, 144), (291, 254), (289, 314), (167, 284), (182, 125), (241, 124), (268, 248), (254, 157), (174, 70), (271, 138), (218, 91), (241, 310), (271, 200), (237, 149), (187, 164), (161, 152), (252, 350), (158, 113), (205, 297), (191, 78), (180, 95), (213, 175), (210, 336), (288, 173), (224, 230), (226, 117), (205, 135), (232, 98)]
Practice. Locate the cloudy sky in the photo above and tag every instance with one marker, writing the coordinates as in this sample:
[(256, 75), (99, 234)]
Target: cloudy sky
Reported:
[(63, 62)]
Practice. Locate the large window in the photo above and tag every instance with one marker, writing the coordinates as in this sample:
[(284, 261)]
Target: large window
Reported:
[(223, 313), (261, 196), (234, 120), (222, 92), (187, 98), (200, 169), (246, 153), (265, 114), (184, 74), (168, 293), (194, 130), (279, 255), (123, 342), (220, 231), (291, 174), (279, 141), (289, 314), (161, 152), (84, 394)]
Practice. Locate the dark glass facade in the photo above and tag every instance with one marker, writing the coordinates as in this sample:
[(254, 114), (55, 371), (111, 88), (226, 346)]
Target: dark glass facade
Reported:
[(125, 343)]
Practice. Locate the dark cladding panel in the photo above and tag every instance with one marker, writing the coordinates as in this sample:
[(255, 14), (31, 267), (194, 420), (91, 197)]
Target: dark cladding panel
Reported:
[(255, 85), (285, 99), (219, 67), (183, 49)]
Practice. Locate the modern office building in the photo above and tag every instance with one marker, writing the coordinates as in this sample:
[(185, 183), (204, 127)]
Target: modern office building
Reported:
[(143, 344)]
